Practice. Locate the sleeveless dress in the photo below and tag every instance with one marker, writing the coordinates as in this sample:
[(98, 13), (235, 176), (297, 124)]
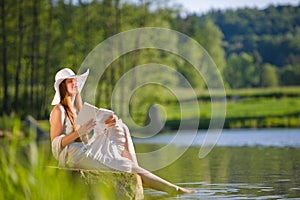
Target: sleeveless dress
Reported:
[(102, 152)]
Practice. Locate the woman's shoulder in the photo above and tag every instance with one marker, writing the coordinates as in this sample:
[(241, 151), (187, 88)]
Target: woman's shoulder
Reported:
[(57, 114), (57, 110)]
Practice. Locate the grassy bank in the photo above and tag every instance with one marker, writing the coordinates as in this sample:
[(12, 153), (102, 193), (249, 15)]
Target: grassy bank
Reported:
[(250, 113), (253, 108), (247, 108)]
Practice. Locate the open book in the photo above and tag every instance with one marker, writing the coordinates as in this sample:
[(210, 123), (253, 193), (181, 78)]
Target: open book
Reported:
[(89, 111)]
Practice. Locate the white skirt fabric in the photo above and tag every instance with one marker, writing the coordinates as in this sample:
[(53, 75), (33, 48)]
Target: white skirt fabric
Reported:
[(104, 150)]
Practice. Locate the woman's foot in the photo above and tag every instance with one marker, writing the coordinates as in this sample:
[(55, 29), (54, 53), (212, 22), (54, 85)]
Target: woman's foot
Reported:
[(181, 190)]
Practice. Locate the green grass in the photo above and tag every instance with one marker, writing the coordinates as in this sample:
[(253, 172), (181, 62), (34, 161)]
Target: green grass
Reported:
[(292, 91), (246, 113), (248, 108), (278, 92), (265, 107), (25, 172)]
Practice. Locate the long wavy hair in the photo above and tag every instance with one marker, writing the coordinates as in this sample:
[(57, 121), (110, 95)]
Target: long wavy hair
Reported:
[(67, 103)]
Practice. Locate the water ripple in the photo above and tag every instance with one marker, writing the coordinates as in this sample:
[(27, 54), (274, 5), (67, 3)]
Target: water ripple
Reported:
[(221, 191)]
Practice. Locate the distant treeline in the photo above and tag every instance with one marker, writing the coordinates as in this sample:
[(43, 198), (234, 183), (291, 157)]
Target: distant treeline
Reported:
[(262, 46), (252, 48)]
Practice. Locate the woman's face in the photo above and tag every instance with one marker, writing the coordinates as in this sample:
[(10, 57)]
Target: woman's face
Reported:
[(71, 84)]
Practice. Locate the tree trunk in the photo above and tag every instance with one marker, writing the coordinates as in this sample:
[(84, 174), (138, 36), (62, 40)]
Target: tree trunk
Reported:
[(20, 53), (47, 63), (5, 102), (33, 58)]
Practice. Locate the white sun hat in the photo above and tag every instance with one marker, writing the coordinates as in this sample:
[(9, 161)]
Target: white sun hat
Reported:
[(64, 74)]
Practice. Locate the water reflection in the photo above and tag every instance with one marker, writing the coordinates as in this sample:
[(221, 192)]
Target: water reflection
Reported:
[(233, 173), (222, 191)]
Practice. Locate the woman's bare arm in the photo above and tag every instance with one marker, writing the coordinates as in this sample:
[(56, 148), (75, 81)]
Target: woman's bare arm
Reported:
[(56, 127)]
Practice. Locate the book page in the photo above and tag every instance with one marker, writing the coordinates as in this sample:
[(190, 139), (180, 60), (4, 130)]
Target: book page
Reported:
[(86, 113), (89, 111), (103, 115)]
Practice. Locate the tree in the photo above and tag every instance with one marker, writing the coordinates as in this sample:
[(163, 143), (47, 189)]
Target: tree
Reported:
[(233, 72), (290, 75), (5, 102), (211, 38), (20, 43), (269, 76), (272, 32), (241, 72), (48, 56)]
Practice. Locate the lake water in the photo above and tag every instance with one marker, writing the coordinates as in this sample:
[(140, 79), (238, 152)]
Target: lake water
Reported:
[(244, 164)]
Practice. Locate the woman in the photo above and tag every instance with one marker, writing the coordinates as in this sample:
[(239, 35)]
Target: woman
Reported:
[(68, 139)]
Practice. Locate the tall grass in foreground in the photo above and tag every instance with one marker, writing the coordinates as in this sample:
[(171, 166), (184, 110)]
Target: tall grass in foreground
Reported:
[(25, 172)]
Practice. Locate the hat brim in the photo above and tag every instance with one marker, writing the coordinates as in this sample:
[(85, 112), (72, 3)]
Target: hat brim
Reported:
[(81, 79)]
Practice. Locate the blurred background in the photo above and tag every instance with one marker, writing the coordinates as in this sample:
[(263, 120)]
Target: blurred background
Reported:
[(255, 46)]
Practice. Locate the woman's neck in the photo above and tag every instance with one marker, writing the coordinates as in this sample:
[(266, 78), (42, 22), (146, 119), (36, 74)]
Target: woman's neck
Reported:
[(72, 99)]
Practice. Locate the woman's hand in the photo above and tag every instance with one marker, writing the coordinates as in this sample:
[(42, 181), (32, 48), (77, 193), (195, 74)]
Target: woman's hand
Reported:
[(86, 128), (111, 121)]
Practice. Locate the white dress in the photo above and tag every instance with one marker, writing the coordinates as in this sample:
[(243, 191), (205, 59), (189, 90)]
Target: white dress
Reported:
[(103, 151)]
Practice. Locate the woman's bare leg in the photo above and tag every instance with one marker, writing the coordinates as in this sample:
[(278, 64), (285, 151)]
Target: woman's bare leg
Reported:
[(152, 181), (149, 179), (129, 151)]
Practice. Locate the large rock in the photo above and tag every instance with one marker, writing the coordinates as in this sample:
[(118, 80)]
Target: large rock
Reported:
[(126, 185)]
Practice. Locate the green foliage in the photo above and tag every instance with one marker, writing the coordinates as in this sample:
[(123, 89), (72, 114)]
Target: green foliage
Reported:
[(272, 32), (208, 35), (269, 76), (40, 37), (290, 75), (270, 36), (26, 172), (241, 71), (45, 35)]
